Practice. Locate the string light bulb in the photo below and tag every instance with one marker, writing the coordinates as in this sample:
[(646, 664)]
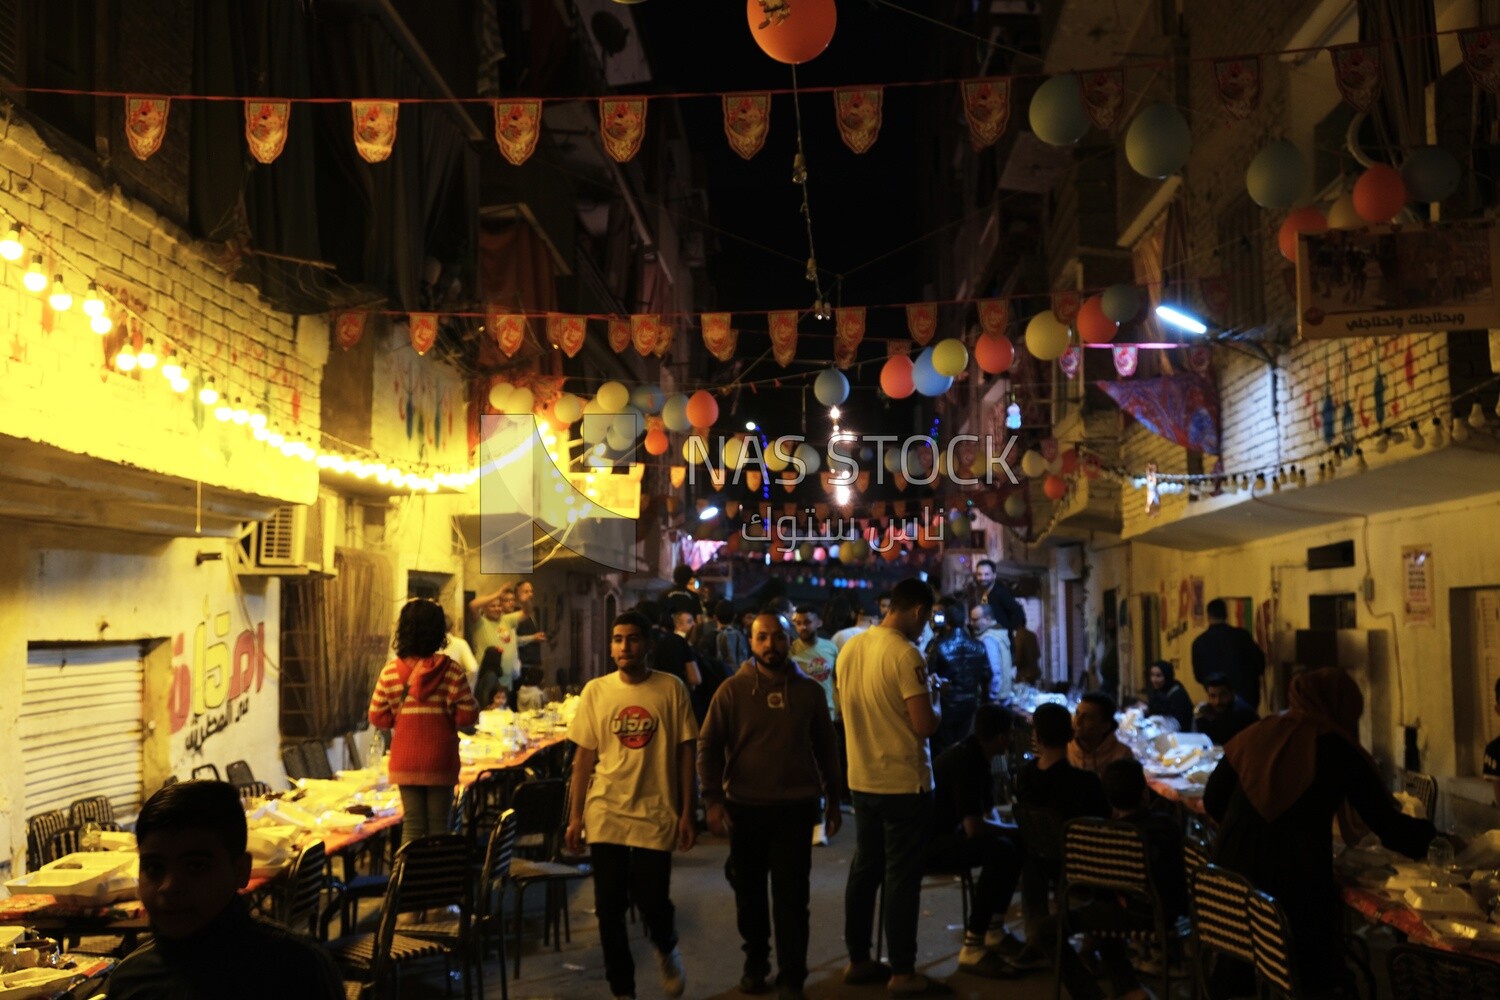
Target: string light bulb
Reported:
[(125, 360), (1359, 460), (147, 358), (799, 169), (1459, 432), (259, 417), (1384, 442), (61, 300), (10, 247), (239, 414), (274, 438), (35, 279), (1418, 442), (1476, 416), (101, 324), (223, 411), (180, 384), (1260, 480), (93, 305), (1437, 432), (171, 369), (209, 394)]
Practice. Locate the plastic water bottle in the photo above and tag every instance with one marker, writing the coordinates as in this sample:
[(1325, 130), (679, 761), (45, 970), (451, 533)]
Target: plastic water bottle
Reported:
[(1440, 860), (88, 839)]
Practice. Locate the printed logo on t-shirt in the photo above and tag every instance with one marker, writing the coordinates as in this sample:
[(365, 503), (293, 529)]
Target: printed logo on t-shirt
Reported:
[(817, 668), (775, 699), (634, 726)]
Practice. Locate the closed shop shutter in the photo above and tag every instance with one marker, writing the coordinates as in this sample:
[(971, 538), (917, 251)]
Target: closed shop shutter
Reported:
[(81, 726)]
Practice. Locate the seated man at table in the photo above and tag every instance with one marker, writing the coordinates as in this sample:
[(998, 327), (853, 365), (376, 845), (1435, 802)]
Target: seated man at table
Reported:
[(1225, 713), (1095, 745), (193, 865)]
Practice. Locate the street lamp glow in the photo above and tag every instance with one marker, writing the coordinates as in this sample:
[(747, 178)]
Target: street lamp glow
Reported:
[(750, 425), (708, 513), (1184, 321)]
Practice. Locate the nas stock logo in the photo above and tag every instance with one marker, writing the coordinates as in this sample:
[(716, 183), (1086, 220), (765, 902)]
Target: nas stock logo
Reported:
[(634, 726)]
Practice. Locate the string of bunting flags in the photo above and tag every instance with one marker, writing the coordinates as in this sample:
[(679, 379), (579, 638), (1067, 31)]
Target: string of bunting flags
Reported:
[(858, 110)]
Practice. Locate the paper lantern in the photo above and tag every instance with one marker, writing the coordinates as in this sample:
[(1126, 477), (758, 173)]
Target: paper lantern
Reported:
[(1276, 176), (1046, 336), (926, 378), (520, 401), (1094, 327), (568, 408), (657, 441), (753, 480), (831, 387), (1054, 486), (500, 395), (1015, 506), (1121, 303), (647, 398), (802, 35), (950, 357), (808, 456), (1056, 114), (1158, 141), (1304, 220), (1033, 464), (1431, 173), (1341, 214), (896, 377), (702, 409), (779, 455), (1070, 461), (674, 413), (994, 353), (612, 397), (1379, 193)]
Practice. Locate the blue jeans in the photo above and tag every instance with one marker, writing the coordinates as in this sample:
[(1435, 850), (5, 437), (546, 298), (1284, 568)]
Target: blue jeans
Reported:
[(890, 849), (426, 811)]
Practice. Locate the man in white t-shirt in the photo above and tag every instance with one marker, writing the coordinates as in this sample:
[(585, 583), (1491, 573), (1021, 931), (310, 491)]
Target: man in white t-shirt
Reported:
[(889, 707), (632, 793)]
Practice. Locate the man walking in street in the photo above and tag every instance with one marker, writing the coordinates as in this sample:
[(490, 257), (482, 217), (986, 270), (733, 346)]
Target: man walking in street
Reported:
[(632, 793), (766, 756), (1229, 650), (889, 709)]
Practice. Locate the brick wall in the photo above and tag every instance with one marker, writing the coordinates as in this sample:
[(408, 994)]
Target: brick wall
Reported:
[(150, 51)]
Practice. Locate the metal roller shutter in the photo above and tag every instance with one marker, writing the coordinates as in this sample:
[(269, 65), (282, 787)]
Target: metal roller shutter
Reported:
[(81, 726)]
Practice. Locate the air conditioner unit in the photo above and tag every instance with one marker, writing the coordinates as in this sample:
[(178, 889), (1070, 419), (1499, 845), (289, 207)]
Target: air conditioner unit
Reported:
[(293, 541)]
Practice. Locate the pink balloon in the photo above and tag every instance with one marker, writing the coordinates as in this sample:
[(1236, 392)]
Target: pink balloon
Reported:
[(896, 377)]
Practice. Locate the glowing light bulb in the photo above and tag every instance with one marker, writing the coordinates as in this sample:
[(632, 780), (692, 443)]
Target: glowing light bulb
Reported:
[(93, 305), (1013, 416), (147, 358), (180, 384), (223, 412), (34, 279), (125, 360), (101, 324), (209, 394), (171, 369), (10, 247), (274, 438), (260, 417), (61, 299), (239, 414), (1460, 431)]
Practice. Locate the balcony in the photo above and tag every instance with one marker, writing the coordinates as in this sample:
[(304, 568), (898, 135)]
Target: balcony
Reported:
[(1091, 506)]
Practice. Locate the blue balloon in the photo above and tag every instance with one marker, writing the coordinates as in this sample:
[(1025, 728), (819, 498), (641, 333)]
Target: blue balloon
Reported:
[(926, 378), (648, 398), (831, 387), (674, 413)]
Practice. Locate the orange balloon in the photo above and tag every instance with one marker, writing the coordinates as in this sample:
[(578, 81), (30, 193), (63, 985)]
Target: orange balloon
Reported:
[(994, 352), (1302, 220), (892, 552), (1379, 193), (702, 409), (657, 441), (895, 377), (1093, 326), (802, 35), (1054, 486)]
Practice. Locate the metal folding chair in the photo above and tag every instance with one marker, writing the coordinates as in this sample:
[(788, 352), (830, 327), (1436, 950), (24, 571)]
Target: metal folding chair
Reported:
[(315, 760), (1275, 964), (1219, 901)]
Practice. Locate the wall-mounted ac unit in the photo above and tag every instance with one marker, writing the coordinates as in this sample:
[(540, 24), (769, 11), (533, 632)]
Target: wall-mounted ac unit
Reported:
[(293, 541)]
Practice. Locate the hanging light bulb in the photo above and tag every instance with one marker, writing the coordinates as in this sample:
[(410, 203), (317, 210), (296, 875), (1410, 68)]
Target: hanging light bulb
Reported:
[(1301, 477), (1383, 443), (1437, 432), (147, 358), (1418, 442), (1260, 480), (259, 418), (1322, 471), (180, 384), (10, 247), (61, 299), (223, 411), (101, 324), (1397, 435), (93, 305), (799, 169), (812, 270), (171, 369), (209, 394), (1476, 416), (1276, 482), (1359, 460), (1459, 431), (274, 438), (239, 414), (125, 360), (35, 279)]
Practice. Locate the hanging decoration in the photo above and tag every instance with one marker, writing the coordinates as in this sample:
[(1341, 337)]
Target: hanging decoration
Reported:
[(645, 332), (1481, 48), (1094, 326), (266, 127), (1238, 80), (1182, 408), (423, 331), (1126, 356), (619, 334), (791, 34), (747, 122), (349, 327), (987, 108), (897, 377), (1158, 141), (1071, 361), (518, 124), (719, 336), (1356, 71), (146, 124), (508, 329), (858, 110), (921, 322), (1104, 96), (783, 329), (1199, 359), (622, 125), (994, 316), (848, 332), (994, 353), (374, 128), (1065, 306), (566, 332)]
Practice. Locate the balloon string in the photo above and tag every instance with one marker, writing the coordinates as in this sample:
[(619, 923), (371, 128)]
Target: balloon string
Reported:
[(799, 175)]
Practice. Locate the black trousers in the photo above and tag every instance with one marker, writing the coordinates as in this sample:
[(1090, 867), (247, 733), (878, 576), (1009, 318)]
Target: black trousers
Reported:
[(623, 875), (774, 840), (999, 860)]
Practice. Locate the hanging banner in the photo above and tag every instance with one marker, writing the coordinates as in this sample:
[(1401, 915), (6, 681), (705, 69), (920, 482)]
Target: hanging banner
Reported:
[(619, 334), (1127, 356), (747, 121), (146, 124), (1065, 306), (349, 327), (265, 128), (987, 108), (374, 128), (1184, 409), (566, 332), (622, 125), (719, 336), (1356, 71), (858, 110), (1417, 599), (1413, 278), (1238, 80), (921, 322), (518, 124), (1071, 361), (645, 330), (664, 333), (423, 329), (783, 328), (994, 316), (1199, 359), (1481, 48), (849, 326), (508, 329), (1103, 96)]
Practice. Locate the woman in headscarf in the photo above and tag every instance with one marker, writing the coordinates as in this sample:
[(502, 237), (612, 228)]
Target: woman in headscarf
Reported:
[(1164, 696), (1275, 795)]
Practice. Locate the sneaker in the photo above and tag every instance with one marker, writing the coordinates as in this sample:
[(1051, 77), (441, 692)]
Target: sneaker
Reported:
[(673, 979), (867, 971), (754, 983), (989, 965)]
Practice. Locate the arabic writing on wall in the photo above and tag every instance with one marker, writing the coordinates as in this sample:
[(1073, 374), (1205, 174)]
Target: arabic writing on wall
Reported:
[(211, 688)]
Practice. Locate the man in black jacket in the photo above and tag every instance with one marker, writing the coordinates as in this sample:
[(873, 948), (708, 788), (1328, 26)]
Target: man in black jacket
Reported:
[(1229, 650), (964, 666)]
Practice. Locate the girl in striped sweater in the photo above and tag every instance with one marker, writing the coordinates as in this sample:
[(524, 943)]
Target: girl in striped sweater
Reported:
[(423, 697)]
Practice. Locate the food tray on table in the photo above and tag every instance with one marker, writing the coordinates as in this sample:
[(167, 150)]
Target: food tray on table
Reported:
[(23, 984), (90, 878), (1441, 899), (1464, 934)]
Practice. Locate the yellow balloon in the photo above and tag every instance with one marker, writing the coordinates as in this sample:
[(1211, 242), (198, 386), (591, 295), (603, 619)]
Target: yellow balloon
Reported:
[(612, 397), (1015, 505), (733, 451), (1046, 336), (950, 357), (1341, 214), (1033, 464), (694, 449), (779, 455)]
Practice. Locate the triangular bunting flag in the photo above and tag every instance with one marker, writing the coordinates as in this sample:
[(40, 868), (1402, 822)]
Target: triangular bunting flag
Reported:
[(508, 329), (619, 334), (265, 128), (987, 108), (921, 321), (663, 339), (374, 128), (1481, 48), (1126, 358), (622, 125), (146, 124), (566, 332), (849, 326), (895, 347), (349, 327), (1238, 80), (1103, 96), (719, 336), (1356, 71), (645, 328), (994, 316), (747, 120), (517, 126), (1071, 361), (858, 110), (844, 354), (783, 328), (424, 328)]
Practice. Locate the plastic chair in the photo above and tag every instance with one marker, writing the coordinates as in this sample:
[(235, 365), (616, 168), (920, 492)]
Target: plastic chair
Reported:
[(206, 772), (252, 790), (315, 760), (297, 903), (540, 808), (1427, 974), (1275, 964), (1219, 900), (292, 763), (94, 809), (238, 773)]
